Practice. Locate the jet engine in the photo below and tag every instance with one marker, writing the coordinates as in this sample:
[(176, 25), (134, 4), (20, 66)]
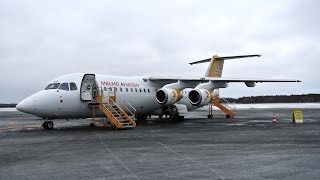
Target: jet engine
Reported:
[(167, 96), (250, 84), (199, 97)]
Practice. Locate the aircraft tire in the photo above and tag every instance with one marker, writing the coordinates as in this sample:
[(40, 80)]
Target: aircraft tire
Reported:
[(177, 118), (142, 118), (174, 113), (181, 118), (44, 125), (92, 125), (49, 125)]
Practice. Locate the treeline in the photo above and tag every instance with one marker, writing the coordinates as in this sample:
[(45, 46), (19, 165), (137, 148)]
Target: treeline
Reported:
[(7, 105), (304, 98)]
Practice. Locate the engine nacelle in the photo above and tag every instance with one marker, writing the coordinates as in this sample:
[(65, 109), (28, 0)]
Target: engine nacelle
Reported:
[(250, 84), (199, 97), (167, 96)]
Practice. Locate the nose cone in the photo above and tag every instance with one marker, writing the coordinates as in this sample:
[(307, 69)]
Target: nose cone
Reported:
[(26, 106)]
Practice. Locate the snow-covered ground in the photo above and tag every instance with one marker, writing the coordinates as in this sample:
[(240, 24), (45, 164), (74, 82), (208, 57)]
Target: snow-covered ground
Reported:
[(8, 109), (276, 106)]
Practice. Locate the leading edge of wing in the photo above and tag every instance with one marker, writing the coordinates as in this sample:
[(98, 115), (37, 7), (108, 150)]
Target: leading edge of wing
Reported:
[(214, 79)]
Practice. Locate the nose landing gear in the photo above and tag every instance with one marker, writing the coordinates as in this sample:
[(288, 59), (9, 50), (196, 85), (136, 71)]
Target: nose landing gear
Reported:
[(47, 125)]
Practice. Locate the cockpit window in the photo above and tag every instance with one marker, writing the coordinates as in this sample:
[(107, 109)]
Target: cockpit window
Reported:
[(52, 86), (64, 86), (73, 86)]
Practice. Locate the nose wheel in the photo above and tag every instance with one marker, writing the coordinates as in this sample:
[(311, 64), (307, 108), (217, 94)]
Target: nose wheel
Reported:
[(47, 125)]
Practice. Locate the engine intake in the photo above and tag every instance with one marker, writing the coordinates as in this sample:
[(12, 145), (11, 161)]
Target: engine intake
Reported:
[(199, 97), (250, 84), (167, 96)]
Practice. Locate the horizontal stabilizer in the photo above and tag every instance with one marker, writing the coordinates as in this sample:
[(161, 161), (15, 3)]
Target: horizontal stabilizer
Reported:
[(225, 58)]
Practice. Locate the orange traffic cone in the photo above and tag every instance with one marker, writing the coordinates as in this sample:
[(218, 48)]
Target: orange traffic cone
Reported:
[(274, 120)]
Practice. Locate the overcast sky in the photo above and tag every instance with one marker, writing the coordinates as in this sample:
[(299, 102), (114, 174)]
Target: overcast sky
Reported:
[(40, 40)]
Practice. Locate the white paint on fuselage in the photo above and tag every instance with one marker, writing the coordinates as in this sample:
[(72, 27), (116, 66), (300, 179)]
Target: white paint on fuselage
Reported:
[(55, 103)]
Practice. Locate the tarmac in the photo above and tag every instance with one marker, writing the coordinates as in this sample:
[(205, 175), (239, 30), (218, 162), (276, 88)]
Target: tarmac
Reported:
[(249, 146)]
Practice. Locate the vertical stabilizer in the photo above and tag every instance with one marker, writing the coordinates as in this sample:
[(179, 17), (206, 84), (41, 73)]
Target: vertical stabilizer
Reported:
[(215, 67)]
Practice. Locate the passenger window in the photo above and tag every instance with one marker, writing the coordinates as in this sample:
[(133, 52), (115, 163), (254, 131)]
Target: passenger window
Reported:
[(73, 86), (131, 90), (64, 86), (140, 90), (52, 86), (110, 88), (105, 88), (121, 89), (136, 90), (148, 90), (127, 89), (144, 90)]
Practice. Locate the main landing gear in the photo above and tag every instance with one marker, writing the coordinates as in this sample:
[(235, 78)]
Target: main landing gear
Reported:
[(141, 118), (48, 124), (174, 114)]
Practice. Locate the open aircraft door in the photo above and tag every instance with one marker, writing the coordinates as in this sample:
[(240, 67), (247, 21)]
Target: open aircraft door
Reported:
[(89, 87)]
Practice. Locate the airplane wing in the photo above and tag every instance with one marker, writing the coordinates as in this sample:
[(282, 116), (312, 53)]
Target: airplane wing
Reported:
[(214, 79), (170, 94)]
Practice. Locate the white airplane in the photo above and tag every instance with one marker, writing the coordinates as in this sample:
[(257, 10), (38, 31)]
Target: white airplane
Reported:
[(74, 96)]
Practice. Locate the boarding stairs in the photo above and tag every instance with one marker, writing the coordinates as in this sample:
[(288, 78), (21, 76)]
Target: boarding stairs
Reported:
[(115, 115), (224, 105)]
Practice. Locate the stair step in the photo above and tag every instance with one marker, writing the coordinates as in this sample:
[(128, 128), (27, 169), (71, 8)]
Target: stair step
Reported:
[(114, 113), (123, 120)]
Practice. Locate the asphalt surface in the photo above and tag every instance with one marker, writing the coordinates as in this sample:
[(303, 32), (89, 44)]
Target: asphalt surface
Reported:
[(246, 147)]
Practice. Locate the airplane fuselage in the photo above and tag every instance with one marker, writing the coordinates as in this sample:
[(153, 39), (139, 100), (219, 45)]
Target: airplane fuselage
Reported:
[(57, 102)]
